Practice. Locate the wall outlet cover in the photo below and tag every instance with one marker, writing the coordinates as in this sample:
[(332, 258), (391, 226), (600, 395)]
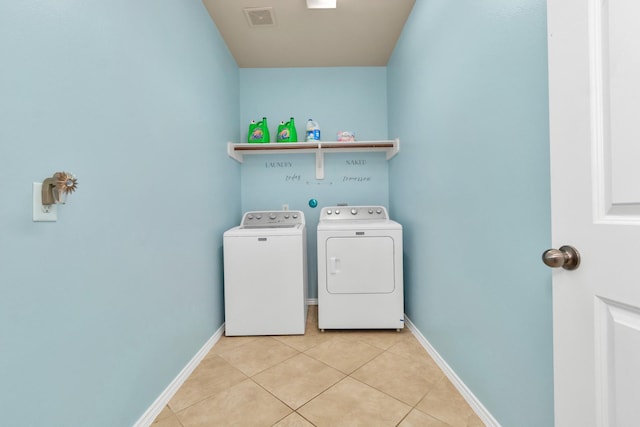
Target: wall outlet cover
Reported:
[(40, 212)]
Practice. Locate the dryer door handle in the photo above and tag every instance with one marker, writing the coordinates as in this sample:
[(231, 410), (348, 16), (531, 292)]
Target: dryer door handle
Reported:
[(334, 265)]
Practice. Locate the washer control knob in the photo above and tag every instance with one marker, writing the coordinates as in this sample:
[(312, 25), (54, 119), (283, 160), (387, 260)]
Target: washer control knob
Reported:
[(370, 211), (354, 211), (272, 216), (258, 216), (329, 212), (286, 216), (295, 216), (249, 216), (378, 211), (337, 211)]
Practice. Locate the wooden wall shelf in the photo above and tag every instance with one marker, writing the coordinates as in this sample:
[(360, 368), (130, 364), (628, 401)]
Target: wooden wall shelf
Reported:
[(237, 151)]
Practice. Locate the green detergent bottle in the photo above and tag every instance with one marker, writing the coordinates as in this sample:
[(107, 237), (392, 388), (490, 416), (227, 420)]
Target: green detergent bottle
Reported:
[(287, 132), (252, 128), (293, 133), (283, 133), (259, 132), (265, 130)]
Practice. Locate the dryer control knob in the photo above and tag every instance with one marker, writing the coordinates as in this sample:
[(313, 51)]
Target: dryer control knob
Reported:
[(370, 211), (337, 211), (272, 216), (250, 216), (378, 211), (354, 211), (258, 216), (286, 216)]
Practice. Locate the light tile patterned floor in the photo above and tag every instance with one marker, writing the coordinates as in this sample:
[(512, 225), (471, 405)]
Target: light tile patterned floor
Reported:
[(332, 379)]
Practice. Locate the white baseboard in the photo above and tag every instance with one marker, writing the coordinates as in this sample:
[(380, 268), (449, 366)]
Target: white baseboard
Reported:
[(156, 407), (471, 399)]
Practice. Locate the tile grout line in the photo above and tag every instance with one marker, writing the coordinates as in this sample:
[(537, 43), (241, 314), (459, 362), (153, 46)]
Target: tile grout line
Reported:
[(383, 350)]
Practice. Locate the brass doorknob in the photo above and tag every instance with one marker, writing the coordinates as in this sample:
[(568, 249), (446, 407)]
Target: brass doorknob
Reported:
[(566, 257)]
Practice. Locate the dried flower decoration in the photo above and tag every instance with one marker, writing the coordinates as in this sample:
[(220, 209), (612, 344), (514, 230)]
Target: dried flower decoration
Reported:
[(66, 182)]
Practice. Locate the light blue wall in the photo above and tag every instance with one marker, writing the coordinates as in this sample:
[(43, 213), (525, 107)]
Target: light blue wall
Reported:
[(468, 99), (100, 310), (339, 99)]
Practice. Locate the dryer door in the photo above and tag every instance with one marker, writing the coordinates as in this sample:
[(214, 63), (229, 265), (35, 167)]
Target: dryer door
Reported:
[(360, 265)]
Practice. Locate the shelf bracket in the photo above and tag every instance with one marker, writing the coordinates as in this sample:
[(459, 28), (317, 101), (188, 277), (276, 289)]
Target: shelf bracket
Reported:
[(233, 153), (319, 162), (394, 150)]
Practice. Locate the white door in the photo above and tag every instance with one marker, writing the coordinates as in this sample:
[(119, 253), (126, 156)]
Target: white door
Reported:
[(594, 86)]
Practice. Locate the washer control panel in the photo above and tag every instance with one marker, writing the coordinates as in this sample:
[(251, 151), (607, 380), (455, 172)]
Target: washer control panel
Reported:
[(354, 213), (272, 219)]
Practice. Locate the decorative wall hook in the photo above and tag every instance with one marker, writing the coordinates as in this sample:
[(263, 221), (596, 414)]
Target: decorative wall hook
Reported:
[(56, 188)]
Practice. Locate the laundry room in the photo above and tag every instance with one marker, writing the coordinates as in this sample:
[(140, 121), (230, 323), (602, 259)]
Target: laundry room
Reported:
[(103, 308), (342, 99)]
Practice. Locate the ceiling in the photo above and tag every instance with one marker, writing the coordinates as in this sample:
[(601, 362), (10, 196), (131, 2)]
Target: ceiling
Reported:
[(287, 34)]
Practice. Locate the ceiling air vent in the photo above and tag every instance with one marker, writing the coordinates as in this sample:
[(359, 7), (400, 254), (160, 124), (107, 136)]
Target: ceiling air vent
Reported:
[(260, 16)]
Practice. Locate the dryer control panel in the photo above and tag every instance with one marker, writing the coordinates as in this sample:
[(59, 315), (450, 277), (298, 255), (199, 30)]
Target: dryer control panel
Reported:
[(272, 219), (354, 213)]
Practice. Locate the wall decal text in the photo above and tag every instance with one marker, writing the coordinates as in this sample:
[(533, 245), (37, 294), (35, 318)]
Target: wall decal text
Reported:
[(356, 179), (283, 164), (294, 177)]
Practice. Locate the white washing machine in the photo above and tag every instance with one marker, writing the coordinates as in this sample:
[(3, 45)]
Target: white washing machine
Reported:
[(360, 278), (265, 274)]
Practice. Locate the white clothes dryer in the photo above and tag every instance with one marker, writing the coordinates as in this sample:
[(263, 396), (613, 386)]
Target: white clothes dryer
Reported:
[(265, 274), (360, 277)]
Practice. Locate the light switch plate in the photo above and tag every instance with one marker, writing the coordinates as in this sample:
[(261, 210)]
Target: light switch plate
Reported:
[(42, 213)]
